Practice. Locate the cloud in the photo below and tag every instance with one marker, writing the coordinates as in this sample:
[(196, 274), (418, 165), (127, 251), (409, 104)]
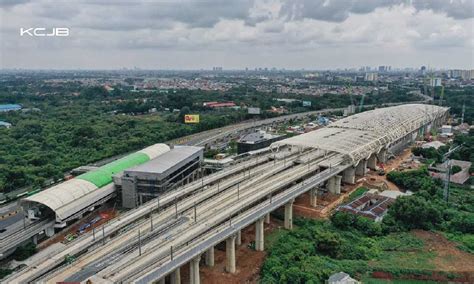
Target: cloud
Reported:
[(10, 3), (457, 9), (193, 33)]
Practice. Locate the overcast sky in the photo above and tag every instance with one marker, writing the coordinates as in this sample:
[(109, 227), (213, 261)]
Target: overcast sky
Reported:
[(234, 34)]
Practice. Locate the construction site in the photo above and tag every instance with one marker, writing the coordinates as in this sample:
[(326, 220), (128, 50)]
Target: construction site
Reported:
[(230, 211)]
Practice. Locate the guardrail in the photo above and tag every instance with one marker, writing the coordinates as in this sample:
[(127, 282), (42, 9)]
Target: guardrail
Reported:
[(239, 222)]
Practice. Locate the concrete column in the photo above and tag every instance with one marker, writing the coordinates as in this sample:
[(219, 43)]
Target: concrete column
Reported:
[(194, 277), (331, 185), (382, 155), (176, 276), (210, 257), (259, 235), (49, 231), (230, 253), (337, 184), (238, 238), (34, 239), (313, 197), (348, 175), (361, 168), (289, 215), (372, 162), (267, 218)]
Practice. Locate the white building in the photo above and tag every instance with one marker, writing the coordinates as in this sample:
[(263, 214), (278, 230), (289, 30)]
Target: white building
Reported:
[(435, 82), (341, 278), (371, 76)]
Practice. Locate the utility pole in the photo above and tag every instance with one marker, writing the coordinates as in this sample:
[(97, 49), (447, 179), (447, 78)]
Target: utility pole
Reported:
[(447, 160)]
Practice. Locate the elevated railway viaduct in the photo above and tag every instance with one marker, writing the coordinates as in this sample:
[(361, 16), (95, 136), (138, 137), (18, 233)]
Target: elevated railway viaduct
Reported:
[(186, 224)]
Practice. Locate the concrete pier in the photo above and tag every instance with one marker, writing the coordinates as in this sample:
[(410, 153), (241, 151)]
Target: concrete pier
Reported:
[(267, 218), (372, 162), (175, 277), (289, 215), (238, 238), (361, 168), (337, 184), (313, 197), (334, 184), (230, 254), (210, 257), (382, 156), (259, 235), (330, 185), (194, 277), (348, 175), (49, 231)]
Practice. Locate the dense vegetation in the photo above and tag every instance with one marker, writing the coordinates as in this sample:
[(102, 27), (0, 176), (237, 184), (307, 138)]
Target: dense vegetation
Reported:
[(316, 249), (427, 209), (69, 125), (359, 246)]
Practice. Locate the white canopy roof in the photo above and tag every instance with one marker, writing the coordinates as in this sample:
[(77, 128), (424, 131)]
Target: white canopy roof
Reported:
[(360, 135)]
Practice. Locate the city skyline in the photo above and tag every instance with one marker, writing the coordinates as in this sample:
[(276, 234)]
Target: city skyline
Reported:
[(193, 35)]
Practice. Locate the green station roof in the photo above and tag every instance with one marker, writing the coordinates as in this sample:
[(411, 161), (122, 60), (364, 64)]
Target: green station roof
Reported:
[(103, 175)]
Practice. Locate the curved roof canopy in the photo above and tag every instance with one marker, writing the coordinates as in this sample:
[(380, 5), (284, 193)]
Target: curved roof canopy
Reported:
[(360, 135), (73, 195)]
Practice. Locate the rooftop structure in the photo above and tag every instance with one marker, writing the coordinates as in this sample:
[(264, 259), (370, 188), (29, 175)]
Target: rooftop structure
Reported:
[(361, 134), (219, 104), (5, 124), (9, 107), (369, 205), (341, 278), (434, 144), (165, 163), (146, 181), (70, 199), (460, 177), (256, 140)]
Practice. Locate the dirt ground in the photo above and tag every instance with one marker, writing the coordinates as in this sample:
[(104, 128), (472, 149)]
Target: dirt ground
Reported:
[(325, 203), (449, 257), (248, 260)]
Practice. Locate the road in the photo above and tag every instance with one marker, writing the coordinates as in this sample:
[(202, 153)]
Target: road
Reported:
[(211, 197)]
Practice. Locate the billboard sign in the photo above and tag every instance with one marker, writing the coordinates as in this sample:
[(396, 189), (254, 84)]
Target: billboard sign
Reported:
[(306, 103), (191, 118), (254, 110)]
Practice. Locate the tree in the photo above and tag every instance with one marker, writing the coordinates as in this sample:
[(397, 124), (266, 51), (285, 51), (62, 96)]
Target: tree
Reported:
[(342, 220), (414, 212)]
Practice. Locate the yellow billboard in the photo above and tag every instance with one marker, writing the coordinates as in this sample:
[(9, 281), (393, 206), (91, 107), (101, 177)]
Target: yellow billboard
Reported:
[(191, 118)]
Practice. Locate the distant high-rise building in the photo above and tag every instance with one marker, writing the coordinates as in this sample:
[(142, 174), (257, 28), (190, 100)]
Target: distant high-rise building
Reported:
[(435, 82), (371, 76), (461, 74)]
